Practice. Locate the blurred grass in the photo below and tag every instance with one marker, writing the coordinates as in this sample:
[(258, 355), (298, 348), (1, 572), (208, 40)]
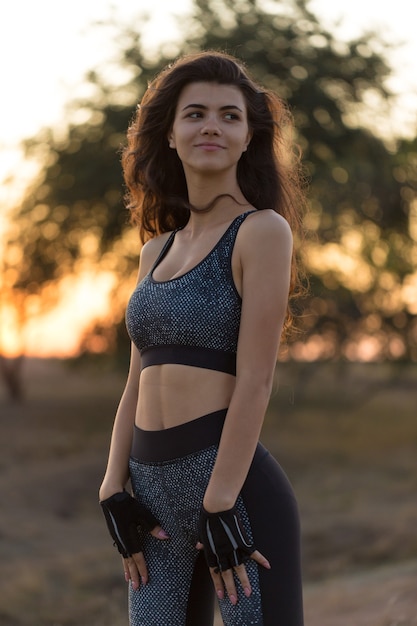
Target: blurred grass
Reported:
[(346, 435)]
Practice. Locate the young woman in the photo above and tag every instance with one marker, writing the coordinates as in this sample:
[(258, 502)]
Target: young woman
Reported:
[(212, 182)]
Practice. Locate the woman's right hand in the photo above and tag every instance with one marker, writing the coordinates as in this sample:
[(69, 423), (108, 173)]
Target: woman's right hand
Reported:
[(134, 566), (127, 520)]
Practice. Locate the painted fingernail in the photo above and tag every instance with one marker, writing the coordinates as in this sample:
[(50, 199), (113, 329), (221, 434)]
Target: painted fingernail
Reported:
[(162, 534), (127, 577), (233, 599), (144, 581), (247, 591), (220, 594)]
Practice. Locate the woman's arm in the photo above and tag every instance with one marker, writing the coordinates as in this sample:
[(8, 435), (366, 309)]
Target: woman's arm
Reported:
[(265, 250), (117, 472)]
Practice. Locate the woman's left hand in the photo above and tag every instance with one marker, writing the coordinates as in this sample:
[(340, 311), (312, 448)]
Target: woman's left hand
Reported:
[(227, 547), (224, 580)]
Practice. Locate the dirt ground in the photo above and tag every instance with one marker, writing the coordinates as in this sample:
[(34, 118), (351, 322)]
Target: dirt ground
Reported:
[(346, 435)]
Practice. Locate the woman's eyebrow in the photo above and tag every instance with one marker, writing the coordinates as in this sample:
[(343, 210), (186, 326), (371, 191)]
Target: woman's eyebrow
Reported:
[(203, 106)]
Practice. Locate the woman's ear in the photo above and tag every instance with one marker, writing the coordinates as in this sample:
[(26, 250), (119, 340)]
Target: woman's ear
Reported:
[(171, 141), (248, 140)]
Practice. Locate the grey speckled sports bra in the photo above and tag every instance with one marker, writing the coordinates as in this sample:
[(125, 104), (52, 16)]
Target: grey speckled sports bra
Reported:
[(192, 319)]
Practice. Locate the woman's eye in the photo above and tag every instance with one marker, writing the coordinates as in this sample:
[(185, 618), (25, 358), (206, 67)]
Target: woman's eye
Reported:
[(231, 116), (195, 115)]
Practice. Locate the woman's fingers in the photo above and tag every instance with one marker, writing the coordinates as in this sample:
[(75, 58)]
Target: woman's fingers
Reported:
[(218, 583), (260, 559), (159, 533), (135, 566), (229, 582), (135, 570), (225, 580), (240, 571)]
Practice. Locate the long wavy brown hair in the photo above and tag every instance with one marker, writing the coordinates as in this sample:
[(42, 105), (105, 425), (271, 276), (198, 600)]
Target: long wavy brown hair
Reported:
[(268, 172)]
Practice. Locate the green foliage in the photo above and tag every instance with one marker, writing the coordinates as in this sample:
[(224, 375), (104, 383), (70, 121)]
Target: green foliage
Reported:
[(324, 82), (360, 191)]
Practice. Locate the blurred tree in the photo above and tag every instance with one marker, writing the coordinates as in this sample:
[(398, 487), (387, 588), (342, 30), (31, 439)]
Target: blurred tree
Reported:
[(72, 217), (360, 197), (361, 191)]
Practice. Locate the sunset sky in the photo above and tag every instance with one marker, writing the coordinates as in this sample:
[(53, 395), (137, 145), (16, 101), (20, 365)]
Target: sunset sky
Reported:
[(47, 46)]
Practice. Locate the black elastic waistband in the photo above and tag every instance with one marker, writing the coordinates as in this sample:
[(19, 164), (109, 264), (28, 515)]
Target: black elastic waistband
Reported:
[(152, 446), (208, 358)]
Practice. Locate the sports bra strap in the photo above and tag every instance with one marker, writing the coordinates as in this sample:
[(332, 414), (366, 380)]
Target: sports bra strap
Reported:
[(165, 249)]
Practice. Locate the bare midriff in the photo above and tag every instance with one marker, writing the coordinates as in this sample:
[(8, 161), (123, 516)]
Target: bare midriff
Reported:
[(170, 395)]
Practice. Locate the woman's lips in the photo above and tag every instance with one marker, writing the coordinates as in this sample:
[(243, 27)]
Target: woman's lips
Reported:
[(210, 147)]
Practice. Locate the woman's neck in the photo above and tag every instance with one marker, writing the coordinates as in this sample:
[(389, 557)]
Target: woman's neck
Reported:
[(216, 198), (203, 189), (224, 210)]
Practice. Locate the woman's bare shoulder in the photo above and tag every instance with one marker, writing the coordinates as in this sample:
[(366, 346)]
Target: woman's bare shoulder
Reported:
[(266, 225), (150, 252)]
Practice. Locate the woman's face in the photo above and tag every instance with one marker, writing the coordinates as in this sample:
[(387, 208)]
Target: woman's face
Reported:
[(210, 130)]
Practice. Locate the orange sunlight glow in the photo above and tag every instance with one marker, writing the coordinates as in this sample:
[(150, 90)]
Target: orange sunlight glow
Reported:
[(82, 299), (409, 293), (347, 264), (27, 326)]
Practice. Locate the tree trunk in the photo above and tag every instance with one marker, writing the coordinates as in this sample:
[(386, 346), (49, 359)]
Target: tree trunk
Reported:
[(11, 373)]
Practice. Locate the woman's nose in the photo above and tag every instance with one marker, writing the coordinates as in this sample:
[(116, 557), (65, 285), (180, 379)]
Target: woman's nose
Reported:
[(210, 126)]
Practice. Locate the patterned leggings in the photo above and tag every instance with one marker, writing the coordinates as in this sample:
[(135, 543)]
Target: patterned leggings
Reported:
[(169, 473)]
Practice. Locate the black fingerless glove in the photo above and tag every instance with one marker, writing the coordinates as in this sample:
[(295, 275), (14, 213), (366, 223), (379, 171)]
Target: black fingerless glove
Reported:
[(224, 539), (125, 516)]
